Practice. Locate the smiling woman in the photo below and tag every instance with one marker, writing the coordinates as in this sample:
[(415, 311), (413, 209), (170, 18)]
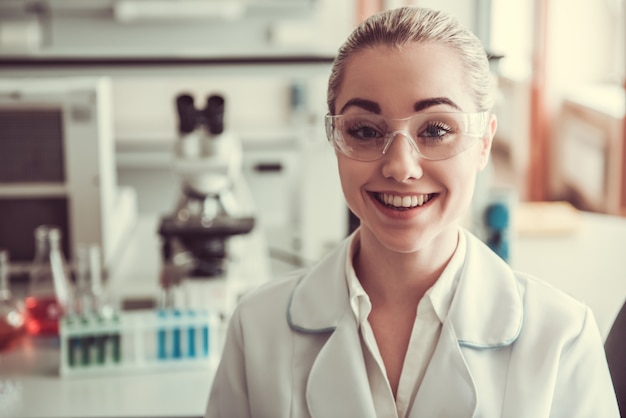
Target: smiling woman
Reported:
[(411, 315)]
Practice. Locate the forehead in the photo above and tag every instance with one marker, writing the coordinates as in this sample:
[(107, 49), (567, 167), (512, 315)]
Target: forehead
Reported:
[(398, 77)]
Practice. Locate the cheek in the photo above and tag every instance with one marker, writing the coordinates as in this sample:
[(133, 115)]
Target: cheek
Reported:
[(461, 177), (352, 175), (348, 176)]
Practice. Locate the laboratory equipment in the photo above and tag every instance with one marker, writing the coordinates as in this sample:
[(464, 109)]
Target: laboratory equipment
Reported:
[(11, 313), (49, 289), (139, 341), (84, 300), (207, 159), (498, 221), (57, 166), (90, 297)]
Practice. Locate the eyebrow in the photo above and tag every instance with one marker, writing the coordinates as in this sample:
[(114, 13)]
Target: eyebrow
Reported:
[(374, 107), (434, 101), (364, 104)]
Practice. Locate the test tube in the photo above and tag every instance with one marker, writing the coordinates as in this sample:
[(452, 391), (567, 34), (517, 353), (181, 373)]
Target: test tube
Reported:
[(100, 344), (176, 336), (114, 339), (115, 344), (191, 336), (161, 336), (205, 337), (72, 350)]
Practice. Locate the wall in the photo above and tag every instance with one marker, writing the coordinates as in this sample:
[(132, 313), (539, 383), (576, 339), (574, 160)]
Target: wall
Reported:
[(259, 105), (98, 27), (464, 11), (584, 69)]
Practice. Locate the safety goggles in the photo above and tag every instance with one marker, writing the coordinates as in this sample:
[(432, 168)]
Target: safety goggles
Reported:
[(435, 136)]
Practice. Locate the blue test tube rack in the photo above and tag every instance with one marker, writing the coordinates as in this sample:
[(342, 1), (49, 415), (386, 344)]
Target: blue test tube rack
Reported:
[(135, 341)]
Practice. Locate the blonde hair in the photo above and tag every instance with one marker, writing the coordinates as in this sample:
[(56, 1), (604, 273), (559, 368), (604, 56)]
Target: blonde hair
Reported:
[(412, 24)]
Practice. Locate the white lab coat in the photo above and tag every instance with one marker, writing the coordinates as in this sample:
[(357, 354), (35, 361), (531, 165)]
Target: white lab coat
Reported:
[(511, 346)]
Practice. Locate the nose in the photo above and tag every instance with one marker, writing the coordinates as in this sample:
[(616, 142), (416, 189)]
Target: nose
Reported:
[(402, 161)]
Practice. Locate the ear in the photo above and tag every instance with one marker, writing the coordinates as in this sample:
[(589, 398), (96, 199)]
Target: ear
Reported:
[(486, 141)]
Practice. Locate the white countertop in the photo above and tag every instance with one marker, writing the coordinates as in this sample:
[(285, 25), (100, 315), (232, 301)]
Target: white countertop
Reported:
[(33, 388), (590, 264)]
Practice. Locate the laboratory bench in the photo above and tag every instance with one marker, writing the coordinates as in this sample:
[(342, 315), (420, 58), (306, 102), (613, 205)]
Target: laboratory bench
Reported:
[(578, 252), (30, 386), (30, 381), (581, 253)]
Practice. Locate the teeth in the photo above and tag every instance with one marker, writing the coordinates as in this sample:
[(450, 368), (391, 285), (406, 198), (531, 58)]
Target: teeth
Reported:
[(404, 201)]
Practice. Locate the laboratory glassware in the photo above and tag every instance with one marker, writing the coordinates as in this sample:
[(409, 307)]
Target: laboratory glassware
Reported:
[(11, 311), (186, 339), (82, 297), (49, 290), (90, 301)]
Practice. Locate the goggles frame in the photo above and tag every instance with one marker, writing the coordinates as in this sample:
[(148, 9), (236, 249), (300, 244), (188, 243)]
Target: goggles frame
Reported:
[(471, 125)]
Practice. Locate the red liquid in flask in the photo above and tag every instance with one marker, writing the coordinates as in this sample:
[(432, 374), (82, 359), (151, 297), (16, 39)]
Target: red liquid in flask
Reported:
[(43, 315), (11, 323)]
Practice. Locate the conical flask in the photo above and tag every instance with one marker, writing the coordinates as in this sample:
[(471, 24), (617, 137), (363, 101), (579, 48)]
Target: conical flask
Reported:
[(49, 287), (11, 312)]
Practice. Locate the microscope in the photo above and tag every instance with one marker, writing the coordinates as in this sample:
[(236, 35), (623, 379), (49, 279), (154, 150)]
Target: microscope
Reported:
[(207, 160)]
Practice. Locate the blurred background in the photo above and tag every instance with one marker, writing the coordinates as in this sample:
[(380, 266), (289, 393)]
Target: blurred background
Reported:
[(559, 67), (184, 141)]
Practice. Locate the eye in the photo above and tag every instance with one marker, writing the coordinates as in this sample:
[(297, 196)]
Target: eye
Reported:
[(435, 130), (363, 131)]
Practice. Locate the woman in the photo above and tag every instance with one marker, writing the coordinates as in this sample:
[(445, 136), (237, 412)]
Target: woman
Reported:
[(411, 316)]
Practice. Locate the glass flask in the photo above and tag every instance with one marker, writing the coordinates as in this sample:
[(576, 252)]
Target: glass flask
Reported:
[(49, 289), (11, 312)]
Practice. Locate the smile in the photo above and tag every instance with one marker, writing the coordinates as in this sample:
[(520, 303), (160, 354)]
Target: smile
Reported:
[(403, 202)]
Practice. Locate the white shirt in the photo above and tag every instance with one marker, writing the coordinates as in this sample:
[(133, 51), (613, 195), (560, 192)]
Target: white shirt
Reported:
[(431, 312)]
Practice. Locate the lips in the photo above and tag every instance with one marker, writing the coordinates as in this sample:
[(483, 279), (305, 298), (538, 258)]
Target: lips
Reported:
[(403, 202)]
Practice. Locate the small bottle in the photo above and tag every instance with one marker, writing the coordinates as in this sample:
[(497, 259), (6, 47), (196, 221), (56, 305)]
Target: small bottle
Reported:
[(49, 290), (11, 313)]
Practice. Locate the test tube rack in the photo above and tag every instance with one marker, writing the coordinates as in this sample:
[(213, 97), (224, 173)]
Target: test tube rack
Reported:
[(136, 341)]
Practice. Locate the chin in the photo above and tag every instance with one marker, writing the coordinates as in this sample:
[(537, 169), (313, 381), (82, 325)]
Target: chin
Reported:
[(414, 240)]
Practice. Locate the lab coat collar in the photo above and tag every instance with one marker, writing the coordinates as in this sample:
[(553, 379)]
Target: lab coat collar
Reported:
[(337, 385), (486, 311), (320, 299)]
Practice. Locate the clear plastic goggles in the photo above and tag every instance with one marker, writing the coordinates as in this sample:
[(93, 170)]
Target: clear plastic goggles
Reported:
[(435, 136)]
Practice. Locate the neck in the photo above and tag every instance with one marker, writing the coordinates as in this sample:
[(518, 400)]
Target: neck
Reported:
[(401, 279)]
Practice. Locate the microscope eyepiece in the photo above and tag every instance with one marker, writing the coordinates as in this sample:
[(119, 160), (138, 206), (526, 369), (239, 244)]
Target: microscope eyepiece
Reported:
[(189, 118), (214, 114), (187, 113)]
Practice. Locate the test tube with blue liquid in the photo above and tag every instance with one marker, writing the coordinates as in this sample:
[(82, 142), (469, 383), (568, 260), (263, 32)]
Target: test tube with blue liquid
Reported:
[(94, 328), (182, 334)]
